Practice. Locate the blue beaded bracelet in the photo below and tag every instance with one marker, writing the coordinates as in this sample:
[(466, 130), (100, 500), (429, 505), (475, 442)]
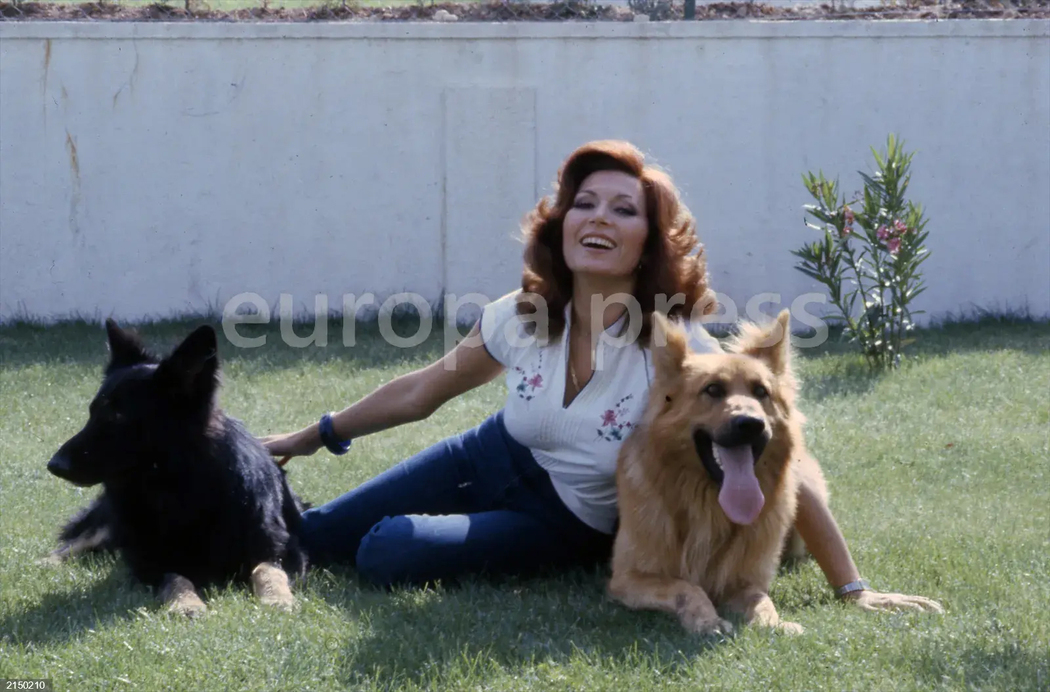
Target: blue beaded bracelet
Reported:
[(328, 438)]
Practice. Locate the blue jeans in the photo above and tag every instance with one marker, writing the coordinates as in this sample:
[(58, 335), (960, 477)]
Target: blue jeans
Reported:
[(474, 503)]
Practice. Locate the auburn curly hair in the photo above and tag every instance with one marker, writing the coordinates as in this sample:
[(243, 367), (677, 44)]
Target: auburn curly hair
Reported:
[(667, 265)]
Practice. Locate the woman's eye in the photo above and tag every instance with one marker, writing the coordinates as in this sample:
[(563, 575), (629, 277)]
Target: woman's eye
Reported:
[(582, 204), (626, 211)]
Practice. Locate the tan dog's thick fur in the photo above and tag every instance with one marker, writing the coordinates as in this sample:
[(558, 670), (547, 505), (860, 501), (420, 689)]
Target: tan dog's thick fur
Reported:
[(676, 549)]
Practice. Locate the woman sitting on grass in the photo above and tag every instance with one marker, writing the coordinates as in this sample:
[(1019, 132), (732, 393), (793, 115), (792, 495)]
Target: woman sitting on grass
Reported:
[(533, 486)]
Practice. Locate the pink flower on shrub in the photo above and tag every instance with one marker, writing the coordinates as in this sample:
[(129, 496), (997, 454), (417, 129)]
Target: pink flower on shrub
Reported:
[(882, 233), (847, 227), (900, 227), (893, 245)]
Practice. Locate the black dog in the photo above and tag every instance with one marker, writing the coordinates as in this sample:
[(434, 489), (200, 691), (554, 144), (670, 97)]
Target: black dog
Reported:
[(189, 498)]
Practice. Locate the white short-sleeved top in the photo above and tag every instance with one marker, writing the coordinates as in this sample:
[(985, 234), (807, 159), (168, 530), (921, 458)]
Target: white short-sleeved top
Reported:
[(576, 444)]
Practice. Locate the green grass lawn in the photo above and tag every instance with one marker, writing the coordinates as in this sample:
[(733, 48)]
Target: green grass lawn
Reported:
[(939, 479)]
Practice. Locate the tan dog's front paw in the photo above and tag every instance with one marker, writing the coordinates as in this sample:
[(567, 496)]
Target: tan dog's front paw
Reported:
[(708, 626), (789, 627)]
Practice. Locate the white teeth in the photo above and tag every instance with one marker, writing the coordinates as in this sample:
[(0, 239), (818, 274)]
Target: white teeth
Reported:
[(718, 457), (598, 242)]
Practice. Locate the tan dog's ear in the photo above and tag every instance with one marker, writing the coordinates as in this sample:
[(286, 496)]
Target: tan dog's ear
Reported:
[(669, 346), (770, 343)]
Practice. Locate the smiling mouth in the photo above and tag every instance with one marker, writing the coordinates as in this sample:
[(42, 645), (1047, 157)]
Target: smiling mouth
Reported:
[(597, 243)]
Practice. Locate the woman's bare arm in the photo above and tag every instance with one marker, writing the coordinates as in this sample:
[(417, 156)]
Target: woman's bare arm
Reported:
[(824, 539), (405, 399)]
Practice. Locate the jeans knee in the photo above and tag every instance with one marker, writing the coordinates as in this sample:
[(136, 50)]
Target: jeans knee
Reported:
[(383, 555), (312, 537)]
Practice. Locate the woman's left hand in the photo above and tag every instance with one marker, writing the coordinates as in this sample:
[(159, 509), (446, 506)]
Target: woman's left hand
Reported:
[(876, 600)]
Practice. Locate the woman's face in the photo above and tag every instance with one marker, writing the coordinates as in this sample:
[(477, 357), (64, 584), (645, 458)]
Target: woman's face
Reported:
[(604, 231)]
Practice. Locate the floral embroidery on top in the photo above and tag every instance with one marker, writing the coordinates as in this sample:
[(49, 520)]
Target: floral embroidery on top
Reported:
[(614, 426), (530, 382)]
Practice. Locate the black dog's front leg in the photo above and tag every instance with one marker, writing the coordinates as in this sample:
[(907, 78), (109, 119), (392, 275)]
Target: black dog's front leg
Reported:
[(90, 530)]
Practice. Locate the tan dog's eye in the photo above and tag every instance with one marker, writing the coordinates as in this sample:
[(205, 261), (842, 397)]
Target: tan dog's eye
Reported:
[(715, 390), (761, 392)]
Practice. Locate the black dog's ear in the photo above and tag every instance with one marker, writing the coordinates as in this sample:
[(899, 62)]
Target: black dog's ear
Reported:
[(192, 368), (125, 348)]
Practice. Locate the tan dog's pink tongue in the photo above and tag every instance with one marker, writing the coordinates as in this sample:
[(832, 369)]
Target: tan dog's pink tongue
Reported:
[(741, 498)]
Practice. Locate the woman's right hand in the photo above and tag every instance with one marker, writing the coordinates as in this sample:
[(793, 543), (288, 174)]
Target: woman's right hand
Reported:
[(301, 443)]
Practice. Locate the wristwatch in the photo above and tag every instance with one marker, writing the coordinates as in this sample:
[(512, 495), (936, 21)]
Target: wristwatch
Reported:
[(859, 585)]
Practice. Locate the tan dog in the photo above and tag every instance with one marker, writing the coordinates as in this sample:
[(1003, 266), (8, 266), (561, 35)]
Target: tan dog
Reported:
[(707, 483)]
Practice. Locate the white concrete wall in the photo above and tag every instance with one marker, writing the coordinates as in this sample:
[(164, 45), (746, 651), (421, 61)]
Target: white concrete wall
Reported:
[(151, 169)]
